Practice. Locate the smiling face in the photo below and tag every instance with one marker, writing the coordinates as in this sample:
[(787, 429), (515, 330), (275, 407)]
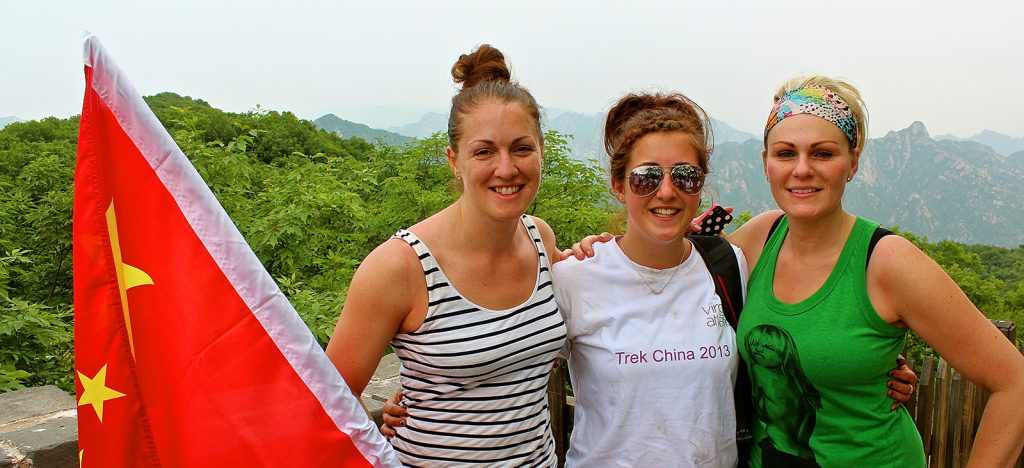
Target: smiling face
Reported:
[(808, 161), (664, 216), (498, 159)]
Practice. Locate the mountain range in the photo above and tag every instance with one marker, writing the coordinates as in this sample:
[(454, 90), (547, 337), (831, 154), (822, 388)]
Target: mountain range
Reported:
[(347, 129), (586, 130), (1002, 144), (7, 120), (942, 189)]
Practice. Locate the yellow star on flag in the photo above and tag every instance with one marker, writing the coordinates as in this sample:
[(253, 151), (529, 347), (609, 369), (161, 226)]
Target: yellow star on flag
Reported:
[(127, 276), (95, 391)]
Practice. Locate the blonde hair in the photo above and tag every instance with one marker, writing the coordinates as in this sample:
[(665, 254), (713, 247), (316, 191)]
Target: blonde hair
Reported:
[(843, 89)]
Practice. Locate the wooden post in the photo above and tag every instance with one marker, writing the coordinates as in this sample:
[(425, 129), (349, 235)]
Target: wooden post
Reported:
[(911, 403), (967, 421), (956, 389), (556, 409), (1009, 329), (940, 454), (925, 406)]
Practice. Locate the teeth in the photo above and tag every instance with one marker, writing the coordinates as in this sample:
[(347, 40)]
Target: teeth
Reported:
[(665, 211), (507, 190), (804, 190)]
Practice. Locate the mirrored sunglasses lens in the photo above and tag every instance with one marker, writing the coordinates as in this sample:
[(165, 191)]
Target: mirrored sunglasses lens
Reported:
[(689, 179), (644, 180)]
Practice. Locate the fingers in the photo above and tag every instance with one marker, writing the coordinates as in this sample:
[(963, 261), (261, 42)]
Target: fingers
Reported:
[(904, 372), (393, 414), (565, 254), (904, 375), (396, 399), (585, 248), (728, 209), (393, 409), (900, 390), (901, 387), (392, 420), (578, 252)]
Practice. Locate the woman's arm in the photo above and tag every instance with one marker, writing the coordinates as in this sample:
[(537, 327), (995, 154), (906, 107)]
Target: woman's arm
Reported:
[(907, 287), (385, 289)]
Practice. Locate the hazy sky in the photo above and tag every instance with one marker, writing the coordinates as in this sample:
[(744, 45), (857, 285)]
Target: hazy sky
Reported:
[(956, 66)]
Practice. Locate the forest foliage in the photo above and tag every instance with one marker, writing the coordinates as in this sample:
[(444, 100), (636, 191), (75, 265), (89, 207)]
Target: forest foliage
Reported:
[(311, 205)]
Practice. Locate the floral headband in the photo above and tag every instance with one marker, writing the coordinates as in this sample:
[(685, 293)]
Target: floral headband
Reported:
[(815, 100)]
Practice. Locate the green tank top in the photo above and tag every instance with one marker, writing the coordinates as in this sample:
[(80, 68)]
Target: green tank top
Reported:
[(819, 369)]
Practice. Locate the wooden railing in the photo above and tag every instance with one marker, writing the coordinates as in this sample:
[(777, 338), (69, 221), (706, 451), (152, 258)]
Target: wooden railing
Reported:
[(946, 408)]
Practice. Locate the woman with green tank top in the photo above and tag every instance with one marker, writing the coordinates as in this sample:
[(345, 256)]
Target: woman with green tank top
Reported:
[(822, 325)]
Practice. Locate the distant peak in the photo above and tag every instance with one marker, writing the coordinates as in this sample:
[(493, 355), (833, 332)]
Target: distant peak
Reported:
[(917, 128)]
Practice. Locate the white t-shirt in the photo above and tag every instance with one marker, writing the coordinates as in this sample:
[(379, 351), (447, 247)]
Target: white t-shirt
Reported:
[(652, 374)]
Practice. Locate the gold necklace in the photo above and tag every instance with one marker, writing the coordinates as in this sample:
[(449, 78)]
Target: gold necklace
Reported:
[(643, 278)]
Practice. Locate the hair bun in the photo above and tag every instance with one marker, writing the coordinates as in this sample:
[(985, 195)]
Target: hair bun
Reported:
[(485, 63)]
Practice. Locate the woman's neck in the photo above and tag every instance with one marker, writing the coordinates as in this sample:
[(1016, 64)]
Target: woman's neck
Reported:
[(473, 231), (821, 234), (659, 256)]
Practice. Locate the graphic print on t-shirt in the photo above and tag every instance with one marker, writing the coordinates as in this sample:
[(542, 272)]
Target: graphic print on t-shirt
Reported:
[(784, 397)]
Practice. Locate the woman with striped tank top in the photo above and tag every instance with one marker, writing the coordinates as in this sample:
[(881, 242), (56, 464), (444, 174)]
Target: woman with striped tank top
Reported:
[(464, 297)]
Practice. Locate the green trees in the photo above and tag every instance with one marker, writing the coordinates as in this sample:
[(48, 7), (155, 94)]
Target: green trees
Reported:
[(311, 205), (35, 252)]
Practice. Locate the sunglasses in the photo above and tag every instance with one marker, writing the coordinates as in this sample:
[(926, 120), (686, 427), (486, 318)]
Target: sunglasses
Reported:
[(645, 180)]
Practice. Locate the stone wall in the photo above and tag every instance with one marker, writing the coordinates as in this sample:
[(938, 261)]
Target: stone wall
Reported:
[(38, 427)]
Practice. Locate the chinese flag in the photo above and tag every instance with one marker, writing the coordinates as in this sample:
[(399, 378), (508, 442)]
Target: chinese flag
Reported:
[(186, 352)]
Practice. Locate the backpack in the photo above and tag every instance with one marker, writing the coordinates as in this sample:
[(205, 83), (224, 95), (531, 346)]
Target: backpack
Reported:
[(720, 259)]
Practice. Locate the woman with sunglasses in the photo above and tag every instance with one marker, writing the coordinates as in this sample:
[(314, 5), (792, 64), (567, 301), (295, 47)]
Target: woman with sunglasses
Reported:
[(651, 358), (464, 297), (845, 311)]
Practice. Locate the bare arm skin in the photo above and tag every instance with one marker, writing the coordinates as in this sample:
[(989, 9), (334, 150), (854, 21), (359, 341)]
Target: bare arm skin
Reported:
[(908, 288), (387, 295)]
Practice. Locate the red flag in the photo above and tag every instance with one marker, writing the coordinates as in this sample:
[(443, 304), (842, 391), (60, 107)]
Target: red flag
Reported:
[(186, 352)]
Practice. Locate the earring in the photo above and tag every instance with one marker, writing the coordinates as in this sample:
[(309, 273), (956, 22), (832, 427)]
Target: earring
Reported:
[(458, 176), (848, 179)]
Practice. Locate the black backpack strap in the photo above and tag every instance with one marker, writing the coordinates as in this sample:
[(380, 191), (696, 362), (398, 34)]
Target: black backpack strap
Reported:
[(879, 233), (721, 261), (772, 229)]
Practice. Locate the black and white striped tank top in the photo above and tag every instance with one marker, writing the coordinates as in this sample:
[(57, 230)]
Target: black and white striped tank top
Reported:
[(474, 379)]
